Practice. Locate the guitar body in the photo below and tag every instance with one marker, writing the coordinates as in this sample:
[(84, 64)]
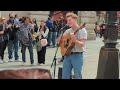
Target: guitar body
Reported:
[(66, 45)]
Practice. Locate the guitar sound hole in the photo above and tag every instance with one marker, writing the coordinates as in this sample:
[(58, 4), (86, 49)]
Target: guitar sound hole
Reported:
[(66, 43)]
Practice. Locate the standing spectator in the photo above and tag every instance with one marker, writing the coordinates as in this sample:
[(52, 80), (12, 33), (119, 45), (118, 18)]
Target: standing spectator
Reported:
[(27, 28), (16, 20), (13, 38), (42, 34), (34, 22), (50, 26), (20, 23), (3, 38)]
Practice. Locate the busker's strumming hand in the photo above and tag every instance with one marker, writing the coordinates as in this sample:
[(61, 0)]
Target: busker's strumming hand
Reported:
[(73, 37)]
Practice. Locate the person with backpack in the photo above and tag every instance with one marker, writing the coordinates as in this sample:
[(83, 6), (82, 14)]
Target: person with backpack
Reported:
[(25, 37)]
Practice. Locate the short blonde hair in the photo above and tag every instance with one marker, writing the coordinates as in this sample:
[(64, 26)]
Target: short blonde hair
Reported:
[(71, 14), (2, 18)]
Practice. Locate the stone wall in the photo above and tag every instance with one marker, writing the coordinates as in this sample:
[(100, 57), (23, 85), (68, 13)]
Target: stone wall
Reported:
[(88, 17), (20, 13), (39, 15)]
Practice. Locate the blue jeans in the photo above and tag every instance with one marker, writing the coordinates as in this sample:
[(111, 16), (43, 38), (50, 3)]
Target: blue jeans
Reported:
[(74, 61), (13, 45), (30, 48), (53, 38), (49, 38), (34, 42), (58, 34)]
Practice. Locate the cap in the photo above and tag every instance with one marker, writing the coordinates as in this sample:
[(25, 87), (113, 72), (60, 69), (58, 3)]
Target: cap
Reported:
[(11, 15)]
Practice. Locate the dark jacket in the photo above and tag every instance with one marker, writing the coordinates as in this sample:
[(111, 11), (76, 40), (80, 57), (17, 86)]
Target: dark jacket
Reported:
[(50, 25), (12, 31), (4, 36)]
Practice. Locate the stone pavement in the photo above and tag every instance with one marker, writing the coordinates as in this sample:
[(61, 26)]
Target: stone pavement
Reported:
[(91, 57)]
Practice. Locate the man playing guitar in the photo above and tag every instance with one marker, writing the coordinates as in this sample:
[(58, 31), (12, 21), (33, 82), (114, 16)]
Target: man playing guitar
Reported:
[(75, 59)]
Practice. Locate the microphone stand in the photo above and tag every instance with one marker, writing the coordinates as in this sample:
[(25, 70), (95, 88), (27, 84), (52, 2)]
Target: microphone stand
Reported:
[(54, 59)]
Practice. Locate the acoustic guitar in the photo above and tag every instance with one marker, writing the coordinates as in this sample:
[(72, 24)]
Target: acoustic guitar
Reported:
[(66, 45)]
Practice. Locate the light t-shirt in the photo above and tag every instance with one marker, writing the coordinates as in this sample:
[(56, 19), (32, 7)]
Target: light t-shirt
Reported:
[(81, 34)]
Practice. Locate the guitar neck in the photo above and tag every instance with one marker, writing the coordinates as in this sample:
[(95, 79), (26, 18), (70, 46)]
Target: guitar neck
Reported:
[(79, 28)]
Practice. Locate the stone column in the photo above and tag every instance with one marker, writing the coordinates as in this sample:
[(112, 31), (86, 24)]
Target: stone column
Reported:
[(39, 15), (88, 17), (101, 17)]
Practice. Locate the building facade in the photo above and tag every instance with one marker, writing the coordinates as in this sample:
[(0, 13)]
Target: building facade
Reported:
[(88, 17)]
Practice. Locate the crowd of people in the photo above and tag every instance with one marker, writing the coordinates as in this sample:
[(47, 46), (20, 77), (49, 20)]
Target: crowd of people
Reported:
[(12, 36)]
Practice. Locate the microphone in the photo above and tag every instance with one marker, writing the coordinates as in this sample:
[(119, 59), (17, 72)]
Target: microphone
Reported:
[(64, 27)]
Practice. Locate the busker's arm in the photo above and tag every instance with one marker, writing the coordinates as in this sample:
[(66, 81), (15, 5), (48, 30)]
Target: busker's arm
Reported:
[(83, 38), (79, 43)]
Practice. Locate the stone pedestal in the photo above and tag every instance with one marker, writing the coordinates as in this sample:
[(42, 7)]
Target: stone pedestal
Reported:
[(108, 66), (88, 17), (39, 15)]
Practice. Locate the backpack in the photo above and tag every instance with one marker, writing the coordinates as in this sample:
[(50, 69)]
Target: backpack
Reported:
[(25, 37)]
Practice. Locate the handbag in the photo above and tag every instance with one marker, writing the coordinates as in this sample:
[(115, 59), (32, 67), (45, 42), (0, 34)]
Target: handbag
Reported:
[(43, 42)]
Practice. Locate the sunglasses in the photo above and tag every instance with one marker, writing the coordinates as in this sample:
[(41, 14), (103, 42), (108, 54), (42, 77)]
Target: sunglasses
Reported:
[(11, 17), (2, 19)]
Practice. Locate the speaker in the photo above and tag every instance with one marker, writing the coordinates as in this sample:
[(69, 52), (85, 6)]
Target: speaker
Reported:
[(60, 74), (33, 73)]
